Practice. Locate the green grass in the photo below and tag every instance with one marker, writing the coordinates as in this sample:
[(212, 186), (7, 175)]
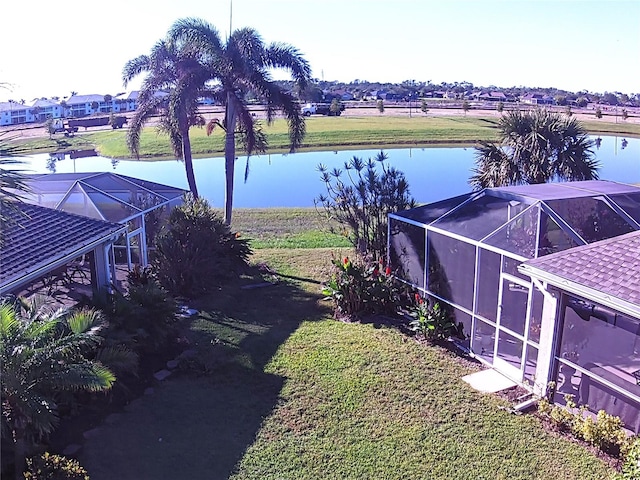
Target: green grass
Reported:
[(293, 394), (287, 228), (322, 133)]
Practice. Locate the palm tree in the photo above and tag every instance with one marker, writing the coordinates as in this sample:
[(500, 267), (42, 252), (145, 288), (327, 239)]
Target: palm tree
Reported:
[(536, 146), (173, 84), (238, 67), (43, 352), (13, 182)]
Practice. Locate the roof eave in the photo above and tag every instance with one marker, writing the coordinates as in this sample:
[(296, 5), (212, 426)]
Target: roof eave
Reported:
[(576, 288)]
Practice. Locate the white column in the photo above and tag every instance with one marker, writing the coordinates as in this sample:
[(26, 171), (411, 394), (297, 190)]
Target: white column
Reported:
[(101, 260), (548, 340)]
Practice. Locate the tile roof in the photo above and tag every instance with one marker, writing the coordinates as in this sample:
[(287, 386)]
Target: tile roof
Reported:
[(610, 266), (34, 237), (79, 99), (12, 106)]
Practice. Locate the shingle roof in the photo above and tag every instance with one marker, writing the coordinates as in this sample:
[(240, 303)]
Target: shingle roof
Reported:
[(610, 266), (34, 237)]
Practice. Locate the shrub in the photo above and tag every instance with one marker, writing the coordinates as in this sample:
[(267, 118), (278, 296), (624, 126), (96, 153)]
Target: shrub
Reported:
[(598, 112), (380, 106), (430, 321), (196, 250), (359, 288), (143, 318), (362, 207), (604, 432), (631, 464), (54, 467)]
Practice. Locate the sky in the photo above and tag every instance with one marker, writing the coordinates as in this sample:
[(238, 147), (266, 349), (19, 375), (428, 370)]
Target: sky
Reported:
[(50, 48)]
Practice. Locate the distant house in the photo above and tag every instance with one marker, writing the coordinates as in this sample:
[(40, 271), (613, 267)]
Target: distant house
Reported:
[(83, 105), (490, 96), (343, 95), (536, 99), (13, 113), (131, 99), (44, 108)]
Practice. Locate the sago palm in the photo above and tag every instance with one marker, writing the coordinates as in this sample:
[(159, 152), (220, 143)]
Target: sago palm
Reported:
[(240, 66), (172, 86), (43, 352), (535, 147)]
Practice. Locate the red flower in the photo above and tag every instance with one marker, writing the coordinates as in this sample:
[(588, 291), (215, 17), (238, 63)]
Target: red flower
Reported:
[(419, 299), (376, 272), (387, 271), (346, 260)]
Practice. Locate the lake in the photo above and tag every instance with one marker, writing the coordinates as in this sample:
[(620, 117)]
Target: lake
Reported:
[(292, 180)]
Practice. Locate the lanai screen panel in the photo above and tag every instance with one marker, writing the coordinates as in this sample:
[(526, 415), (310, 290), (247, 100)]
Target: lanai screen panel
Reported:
[(452, 265), (479, 217), (519, 235), (407, 251), (489, 265), (630, 203), (591, 218), (433, 211)]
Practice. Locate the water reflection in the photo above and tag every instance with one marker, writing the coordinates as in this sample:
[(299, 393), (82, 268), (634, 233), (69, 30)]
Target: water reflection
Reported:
[(433, 173)]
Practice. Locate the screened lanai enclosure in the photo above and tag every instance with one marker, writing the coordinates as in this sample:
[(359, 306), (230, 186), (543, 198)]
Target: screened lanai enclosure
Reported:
[(464, 253), (139, 204)]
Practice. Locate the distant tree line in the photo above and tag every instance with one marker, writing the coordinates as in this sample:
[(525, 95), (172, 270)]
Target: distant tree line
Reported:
[(324, 91)]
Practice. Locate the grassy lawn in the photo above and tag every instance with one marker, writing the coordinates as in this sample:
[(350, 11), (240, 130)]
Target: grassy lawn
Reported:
[(322, 133), (286, 228), (290, 393)]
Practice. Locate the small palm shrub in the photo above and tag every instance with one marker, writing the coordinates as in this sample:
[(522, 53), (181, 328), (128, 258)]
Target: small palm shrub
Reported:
[(54, 467), (431, 322), (196, 250), (362, 287)]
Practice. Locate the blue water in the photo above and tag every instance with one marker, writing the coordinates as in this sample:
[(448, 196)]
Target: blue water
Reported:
[(293, 180)]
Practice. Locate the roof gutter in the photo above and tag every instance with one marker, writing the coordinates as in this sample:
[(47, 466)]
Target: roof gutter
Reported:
[(616, 303)]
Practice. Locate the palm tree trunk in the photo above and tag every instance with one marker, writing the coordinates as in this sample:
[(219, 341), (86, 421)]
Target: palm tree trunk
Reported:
[(20, 452), (188, 161), (229, 159)]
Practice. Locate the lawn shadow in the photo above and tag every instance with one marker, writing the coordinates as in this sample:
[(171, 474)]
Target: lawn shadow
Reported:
[(200, 421)]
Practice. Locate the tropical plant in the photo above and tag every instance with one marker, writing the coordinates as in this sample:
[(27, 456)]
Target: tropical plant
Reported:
[(44, 351), (54, 467), (430, 321), (174, 81), (375, 190), (535, 146), (362, 287), (236, 68), (196, 250), (13, 182)]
